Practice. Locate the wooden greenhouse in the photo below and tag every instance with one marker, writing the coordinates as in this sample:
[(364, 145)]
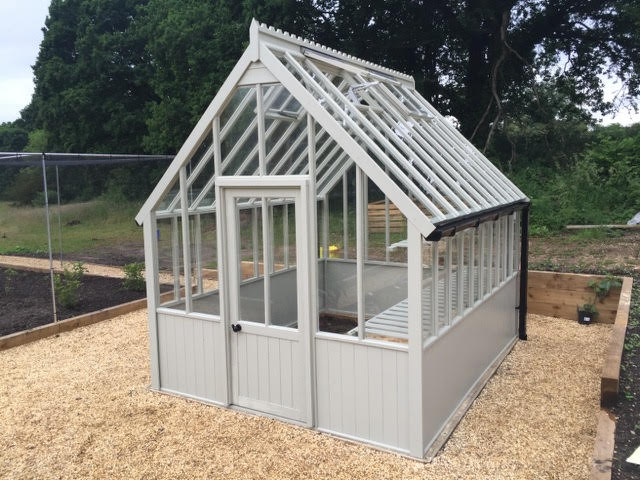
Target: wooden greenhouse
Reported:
[(332, 252)]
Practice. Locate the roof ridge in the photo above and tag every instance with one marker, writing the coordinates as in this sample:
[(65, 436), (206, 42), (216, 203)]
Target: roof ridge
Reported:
[(278, 31)]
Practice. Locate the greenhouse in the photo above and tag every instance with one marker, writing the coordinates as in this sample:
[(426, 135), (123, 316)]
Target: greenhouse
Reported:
[(327, 249)]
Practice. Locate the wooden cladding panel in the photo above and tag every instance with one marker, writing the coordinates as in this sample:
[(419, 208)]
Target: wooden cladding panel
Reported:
[(559, 294), (191, 360), (363, 392), (376, 218)]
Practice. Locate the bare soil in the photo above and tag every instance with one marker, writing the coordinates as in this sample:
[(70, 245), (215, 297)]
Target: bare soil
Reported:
[(25, 298), (606, 250), (336, 323)]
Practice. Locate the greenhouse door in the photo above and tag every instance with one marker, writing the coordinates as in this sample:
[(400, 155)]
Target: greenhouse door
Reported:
[(268, 288)]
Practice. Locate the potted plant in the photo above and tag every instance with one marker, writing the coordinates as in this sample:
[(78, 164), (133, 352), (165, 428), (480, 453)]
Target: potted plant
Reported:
[(588, 312)]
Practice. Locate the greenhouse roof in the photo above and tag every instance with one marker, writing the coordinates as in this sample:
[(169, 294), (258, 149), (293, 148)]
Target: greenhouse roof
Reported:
[(373, 116)]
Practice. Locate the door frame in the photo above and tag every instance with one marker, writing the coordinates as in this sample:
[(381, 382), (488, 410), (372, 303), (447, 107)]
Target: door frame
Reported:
[(306, 267)]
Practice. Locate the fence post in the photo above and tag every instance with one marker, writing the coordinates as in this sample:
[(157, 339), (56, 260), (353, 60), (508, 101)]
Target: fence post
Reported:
[(46, 208)]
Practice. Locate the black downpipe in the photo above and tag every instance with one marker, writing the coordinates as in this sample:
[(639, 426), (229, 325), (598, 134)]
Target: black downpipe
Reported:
[(524, 272)]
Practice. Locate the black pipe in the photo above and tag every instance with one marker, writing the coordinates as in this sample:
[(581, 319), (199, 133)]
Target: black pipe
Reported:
[(524, 273)]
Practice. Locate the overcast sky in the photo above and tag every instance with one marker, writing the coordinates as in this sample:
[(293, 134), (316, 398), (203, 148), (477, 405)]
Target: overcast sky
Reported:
[(21, 22)]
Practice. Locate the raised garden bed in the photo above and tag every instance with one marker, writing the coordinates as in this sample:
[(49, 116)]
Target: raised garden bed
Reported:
[(25, 298)]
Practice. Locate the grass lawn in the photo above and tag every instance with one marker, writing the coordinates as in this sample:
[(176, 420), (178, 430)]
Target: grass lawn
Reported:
[(85, 226)]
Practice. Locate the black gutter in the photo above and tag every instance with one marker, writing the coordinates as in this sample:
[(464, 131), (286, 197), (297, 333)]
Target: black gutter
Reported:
[(524, 273), (446, 228)]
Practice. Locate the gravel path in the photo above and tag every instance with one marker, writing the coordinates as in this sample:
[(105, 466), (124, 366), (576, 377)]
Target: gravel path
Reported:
[(92, 268), (77, 406)]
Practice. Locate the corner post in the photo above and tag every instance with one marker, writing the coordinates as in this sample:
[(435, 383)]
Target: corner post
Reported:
[(524, 273), (416, 435), (151, 274)]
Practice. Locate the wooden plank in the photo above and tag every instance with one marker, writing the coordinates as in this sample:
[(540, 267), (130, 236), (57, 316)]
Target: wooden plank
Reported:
[(559, 294), (585, 227), (603, 449), (566, 312), (43, 331), (555, 280), (609, 383)]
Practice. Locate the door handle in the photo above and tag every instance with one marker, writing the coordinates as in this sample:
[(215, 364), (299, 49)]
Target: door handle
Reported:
[(236, 327)]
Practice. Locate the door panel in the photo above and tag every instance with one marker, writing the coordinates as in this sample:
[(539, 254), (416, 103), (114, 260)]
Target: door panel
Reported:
[(266, 375), (269, 360)]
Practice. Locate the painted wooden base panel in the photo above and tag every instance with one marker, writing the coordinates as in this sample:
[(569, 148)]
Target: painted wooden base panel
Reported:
[(190, 355), (268, 374), (454, 363), (363, 393)]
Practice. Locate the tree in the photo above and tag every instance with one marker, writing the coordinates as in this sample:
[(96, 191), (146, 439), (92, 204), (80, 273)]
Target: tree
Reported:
[(13, 136), (89, 93)]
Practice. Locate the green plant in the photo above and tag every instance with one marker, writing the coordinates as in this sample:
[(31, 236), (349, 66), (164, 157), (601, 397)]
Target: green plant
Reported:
[(68, 283), (601, 290), (9, 275), (589, 308), (632, 343), (133, 279)]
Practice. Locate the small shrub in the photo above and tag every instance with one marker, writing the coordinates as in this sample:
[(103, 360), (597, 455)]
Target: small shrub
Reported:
[(68, 283), (538, 231), (133, 279)]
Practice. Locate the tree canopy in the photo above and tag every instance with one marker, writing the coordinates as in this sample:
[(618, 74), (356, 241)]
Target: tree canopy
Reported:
[(522, 77)]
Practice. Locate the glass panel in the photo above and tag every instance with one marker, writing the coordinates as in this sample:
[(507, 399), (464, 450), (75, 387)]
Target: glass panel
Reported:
[(497, 252), (350, 251), (291, 256), (467, 267), (385, 282), (487, 257), (504, 248), (285, 132), (336, 224), (477, 264), (453, 284), (517, 241), (288, 154), (427, 290), (239, 133), (205, 256), (250, 260), (283, 285), (442, 278), (169, 238)]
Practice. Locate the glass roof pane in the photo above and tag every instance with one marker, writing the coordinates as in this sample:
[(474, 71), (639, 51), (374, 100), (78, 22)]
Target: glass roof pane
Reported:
[(440, 171)]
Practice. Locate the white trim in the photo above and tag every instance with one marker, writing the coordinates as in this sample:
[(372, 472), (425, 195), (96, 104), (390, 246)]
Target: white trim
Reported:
[(151, 275), (360, 246), (186, 241), (265, 181), (416, 435)]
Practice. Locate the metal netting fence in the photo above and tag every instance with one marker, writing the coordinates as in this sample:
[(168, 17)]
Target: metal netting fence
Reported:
[(67, 207)]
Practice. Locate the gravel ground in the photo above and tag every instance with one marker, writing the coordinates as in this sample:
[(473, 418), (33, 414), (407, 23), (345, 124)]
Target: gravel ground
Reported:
[(77, 406)]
